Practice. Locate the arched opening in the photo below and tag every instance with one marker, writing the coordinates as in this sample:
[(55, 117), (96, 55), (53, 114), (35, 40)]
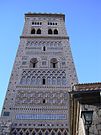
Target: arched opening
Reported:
[(33, 63), (55, 31), (53, 63), (49, 31), (43, 81), (44, 101), (33, 31), (38, 31), (44, 48)]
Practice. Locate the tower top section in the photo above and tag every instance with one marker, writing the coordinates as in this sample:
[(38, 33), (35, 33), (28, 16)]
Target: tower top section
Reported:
[(44, 25), (56, 15)]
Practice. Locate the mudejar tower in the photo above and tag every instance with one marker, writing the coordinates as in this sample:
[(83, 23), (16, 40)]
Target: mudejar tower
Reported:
[(37, 99)]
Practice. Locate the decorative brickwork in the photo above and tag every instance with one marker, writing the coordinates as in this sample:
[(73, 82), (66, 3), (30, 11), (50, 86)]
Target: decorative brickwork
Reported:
[(37, 99)]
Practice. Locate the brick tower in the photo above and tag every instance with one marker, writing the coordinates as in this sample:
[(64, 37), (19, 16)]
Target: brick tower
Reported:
[(37, 99)]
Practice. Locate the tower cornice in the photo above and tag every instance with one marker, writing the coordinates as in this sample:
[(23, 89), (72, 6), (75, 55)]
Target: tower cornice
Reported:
[(29, 14)]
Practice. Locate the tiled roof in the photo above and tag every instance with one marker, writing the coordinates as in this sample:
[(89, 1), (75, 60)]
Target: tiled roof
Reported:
[(87, 86)]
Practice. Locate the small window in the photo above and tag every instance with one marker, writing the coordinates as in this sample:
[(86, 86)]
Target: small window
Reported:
[(44, 48), (33, 31), (38, 31), (49, 31), (53, 63), (55, 31), (33, 63), (43, 100), (43, 81)]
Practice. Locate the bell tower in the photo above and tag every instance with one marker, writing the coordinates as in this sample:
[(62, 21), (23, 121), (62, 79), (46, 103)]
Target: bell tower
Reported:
[(37, 99)]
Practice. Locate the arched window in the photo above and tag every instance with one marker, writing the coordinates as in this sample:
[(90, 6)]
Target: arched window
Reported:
[(53, 63), (43, 101), (44, 48), (38, 31), (49, 31), (55, 31), (33, 31), (33, 63), (43, 81)]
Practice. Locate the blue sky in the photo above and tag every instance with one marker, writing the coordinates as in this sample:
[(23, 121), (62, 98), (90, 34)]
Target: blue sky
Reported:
[(83, 23)]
